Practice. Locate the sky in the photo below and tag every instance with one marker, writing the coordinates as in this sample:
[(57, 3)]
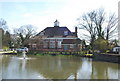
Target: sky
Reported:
[(43, 13)]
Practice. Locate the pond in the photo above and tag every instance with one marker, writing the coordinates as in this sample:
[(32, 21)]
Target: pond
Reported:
[(56, 67)]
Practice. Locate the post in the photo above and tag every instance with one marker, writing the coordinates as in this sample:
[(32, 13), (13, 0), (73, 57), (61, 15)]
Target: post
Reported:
[(0, 56), (119, 25), (0, 39)]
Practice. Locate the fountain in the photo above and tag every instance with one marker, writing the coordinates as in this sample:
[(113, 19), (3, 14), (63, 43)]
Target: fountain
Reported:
[(24, 54)]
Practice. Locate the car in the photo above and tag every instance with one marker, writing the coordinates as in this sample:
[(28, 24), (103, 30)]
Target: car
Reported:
[(116, 50), (22, 49)]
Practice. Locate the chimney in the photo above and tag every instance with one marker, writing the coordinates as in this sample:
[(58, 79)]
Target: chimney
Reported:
[(76, 31)]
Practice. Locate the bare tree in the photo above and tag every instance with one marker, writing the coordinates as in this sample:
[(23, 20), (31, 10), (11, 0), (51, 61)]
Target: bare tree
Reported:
[(95, 23), (87, 23), (3, 24), (105, 26), (25, 33), (99, 21), (111, 26)]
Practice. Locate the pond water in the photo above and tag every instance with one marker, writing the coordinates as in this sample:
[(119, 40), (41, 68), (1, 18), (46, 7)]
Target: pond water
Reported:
[(56, 67)]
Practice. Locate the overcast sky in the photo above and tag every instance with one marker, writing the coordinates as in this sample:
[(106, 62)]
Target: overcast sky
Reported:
[(42, 13)]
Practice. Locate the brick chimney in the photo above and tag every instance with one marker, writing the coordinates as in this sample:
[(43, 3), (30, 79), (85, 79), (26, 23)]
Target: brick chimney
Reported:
[(76, 31)]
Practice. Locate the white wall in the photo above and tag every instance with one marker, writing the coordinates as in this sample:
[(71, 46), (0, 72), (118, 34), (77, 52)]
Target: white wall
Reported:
[(0, 40), (119, 22)]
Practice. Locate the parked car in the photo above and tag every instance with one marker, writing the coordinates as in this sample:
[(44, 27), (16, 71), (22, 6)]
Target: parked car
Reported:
[(22, 49)]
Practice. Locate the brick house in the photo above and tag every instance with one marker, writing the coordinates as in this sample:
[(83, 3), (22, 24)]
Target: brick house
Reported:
[(56, 39)]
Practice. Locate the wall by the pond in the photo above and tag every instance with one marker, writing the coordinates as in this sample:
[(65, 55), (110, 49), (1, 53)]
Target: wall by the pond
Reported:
[(107, 57)]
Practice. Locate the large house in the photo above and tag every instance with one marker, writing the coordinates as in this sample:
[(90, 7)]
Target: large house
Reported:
[(56, 39)]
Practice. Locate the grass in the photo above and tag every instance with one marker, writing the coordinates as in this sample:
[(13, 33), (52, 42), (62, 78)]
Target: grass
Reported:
[(88, 54), (50, 54), (80, 53), (41, 54)]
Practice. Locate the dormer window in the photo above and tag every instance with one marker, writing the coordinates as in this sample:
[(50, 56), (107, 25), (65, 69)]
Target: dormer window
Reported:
[(65, 33), (56, 23)]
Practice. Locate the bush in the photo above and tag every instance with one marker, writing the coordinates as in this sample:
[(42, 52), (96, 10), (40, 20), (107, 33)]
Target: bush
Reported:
[(101, 45), (5, 48)]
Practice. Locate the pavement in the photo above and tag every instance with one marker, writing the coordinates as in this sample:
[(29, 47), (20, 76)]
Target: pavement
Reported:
[(1, 52)]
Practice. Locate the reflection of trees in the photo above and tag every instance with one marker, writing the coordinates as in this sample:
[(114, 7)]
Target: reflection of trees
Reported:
[(0, 67), (5, 61), (100, 69), (55, 67)]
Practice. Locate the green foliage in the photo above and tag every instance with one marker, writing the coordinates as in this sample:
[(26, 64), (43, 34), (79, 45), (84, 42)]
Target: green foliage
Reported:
[(6, 39), (25, 32), (101, 44), (5, 48)]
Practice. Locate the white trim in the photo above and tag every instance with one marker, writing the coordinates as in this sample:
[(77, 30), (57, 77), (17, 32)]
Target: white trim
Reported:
[(59, 44)]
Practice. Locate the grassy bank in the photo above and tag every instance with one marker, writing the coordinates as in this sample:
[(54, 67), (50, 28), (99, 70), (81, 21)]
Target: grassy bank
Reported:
[(82, 53), (8, 52)]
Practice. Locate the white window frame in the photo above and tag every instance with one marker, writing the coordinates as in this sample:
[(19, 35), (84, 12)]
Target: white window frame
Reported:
[(59, 44)]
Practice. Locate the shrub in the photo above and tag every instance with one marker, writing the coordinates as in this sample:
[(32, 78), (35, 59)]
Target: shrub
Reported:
[(101, 45)]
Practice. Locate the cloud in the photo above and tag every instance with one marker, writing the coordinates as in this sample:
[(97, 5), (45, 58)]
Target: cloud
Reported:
[(28, 15), (44, 13)]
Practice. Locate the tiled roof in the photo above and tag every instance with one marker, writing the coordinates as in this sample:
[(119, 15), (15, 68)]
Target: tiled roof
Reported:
[(56, 31)]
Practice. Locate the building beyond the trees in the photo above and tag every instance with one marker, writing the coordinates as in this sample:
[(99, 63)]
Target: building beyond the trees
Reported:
[(56, 39), (1, 39), (119, 22)]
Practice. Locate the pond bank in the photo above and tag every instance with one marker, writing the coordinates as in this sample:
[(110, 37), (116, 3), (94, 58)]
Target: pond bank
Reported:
[(81, 54), (114, 58), (8, 53)]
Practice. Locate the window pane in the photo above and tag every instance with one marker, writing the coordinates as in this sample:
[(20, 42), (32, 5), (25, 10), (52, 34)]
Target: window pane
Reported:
[(71, 46), (59, 44), (65, 32), (52, 44)]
